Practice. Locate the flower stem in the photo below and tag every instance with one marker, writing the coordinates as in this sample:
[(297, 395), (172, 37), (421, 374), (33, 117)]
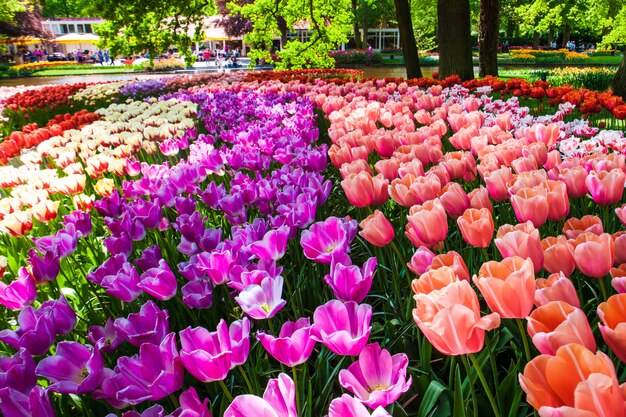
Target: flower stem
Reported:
[(481, 376), (245, 377), (522, 332), (471, 384), (226, 391), (603, 289), (295, 383)]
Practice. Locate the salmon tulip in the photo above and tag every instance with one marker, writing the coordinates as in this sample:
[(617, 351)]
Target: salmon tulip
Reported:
[(376, 229), (557, 287), (612, 314), (476, 227), (593, 254), (520, 240), (556, 255)]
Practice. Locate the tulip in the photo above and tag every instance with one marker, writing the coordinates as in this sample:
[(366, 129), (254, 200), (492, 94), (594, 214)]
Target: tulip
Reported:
[(606, 187), (619, 240), (209, 356), (557, 287), (421, 260), (479, 198), (45, 211), (329, 239), (262, 301), (508, 286), (450, 319), (377, 379), (575, 180), (574, 227), (351, 283), (293, 346), (342, 327), (17, 223), (520, 240), (621, 213), (454, 199), (558, 201), (413, 167), (44, 268), (279, 400), (198, 294), (453, 260), (531, 204), (388, 168), (153, 374), (216, 265), (498, 183), (19, 293), (552, 386), (377, 230), (434, 279), (107, 336), (149, 325), (593, 254), (362, 190), (74, 369), (17, 372), (556, 255), (612, 314), (273, 245), (159, 282), (476, 227), (355, 168), (347, 406), (557, 324), (428, 223), (191, 406), (14, 403)]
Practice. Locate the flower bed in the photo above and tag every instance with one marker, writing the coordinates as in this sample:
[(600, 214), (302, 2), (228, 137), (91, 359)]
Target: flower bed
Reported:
[(455, 258)]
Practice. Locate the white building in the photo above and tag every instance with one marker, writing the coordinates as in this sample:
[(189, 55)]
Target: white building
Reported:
[(64, 26)]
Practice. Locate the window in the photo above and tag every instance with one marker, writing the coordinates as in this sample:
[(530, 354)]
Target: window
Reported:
[(80, 28), (88, 28), (64, 29), (72, 28)]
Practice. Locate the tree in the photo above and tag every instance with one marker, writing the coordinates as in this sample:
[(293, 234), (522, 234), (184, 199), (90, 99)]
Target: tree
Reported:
[(618, 36), (329, 24), (65, 8), (8, 8), (21, 20), (407, 38), (455, 44), (488, 29)]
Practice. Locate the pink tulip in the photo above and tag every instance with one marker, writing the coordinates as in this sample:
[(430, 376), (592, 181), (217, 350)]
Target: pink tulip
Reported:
[(421, 260), (377, 378), (606, 187), (348, 406), (279, 400), (557, 287), (349, 282), (262, 301), (521, 240), (427, 224), (454, 199), (531, 204), (593, 254), (377, 230), (498, 183), (342, 327), (574, 178), (293, 346)]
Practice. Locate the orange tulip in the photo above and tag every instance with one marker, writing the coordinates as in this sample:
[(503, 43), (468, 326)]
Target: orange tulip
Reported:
[(450, 319), (454, 199), (476, 227), (557, 287), (520, 240), (434, 279), (612, 314), (362, 190), (428, 223), (574, 378), (558, 201), (377, 230), (402, 192), (531, 204), (618, 276), (573, 226), (556, 255), (479, 198), (593, 254), (453, 260), (557, 324), (508, 286)]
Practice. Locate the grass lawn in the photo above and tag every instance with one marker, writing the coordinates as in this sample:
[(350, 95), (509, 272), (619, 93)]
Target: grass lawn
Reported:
[(81, 71)]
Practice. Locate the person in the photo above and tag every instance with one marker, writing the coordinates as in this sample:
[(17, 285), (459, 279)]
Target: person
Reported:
[(106, 56), (369, 49), (100, 56), (505, 47)]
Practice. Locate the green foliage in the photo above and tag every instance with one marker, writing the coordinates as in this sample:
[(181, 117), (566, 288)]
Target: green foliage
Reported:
[(357, 58), (8, 8), (618, 33), (330, 23), (65, 8)]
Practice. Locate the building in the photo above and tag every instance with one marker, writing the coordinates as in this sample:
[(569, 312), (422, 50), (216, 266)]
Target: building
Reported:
[(63, 26)]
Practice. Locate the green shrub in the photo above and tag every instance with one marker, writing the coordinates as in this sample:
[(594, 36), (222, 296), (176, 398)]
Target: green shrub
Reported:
[(357, 58)]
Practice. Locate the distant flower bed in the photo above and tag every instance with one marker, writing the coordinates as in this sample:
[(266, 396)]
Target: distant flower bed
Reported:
[(160, 65), (36, 66), (534, 56)]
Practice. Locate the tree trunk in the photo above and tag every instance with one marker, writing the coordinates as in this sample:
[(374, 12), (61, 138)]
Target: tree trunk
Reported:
[(536, 40), (407, 39), (565, 36), (365, 43), (510, 29), (488, 27), (355, 25), (550, 37), (455, 43), (619, 81)]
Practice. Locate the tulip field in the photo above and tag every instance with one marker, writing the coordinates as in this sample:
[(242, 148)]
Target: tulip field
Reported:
[(312, 243)]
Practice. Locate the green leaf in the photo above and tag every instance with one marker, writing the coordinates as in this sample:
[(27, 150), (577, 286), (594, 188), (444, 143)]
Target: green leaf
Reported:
[(458, 406), (431, 396)]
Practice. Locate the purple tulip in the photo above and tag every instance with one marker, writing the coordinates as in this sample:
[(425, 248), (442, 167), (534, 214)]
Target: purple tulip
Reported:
[(149, 258), (348, 406), (18, 371), (377, 379), (216, 265), (191, 406), (63, 243), (119, 245), (279, 400), (351, 283), (159, 282), (35, 403), (81, 222), (328, 239), (107, 335), (118, 277), (44, 268), (154, 411), (198, 294), (74, 369), (273, 245), (20, 292), (294, 344), (209, 356), (150, 325), (63, 317), (150, 376), (242, 277), (262, 301), (110, 206), (342, 327)]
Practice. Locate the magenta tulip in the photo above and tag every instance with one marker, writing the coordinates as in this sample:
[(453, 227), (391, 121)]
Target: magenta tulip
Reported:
[(74, 369), (294, 344), (342, 327), (279, 400), (348, 406), (349, 282), (262, 301), (273, 245)]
